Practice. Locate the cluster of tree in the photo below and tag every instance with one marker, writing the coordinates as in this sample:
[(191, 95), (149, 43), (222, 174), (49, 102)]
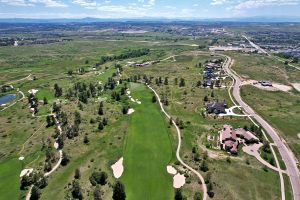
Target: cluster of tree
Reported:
[(131, 53), (76, 190), (57, 90), (179, 123), (159, 81), (37, 179), (98, 178), (288, 56), (73, 130), (83, 92)]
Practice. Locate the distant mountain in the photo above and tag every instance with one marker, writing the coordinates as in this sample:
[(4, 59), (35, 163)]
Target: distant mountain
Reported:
[(258, 19)]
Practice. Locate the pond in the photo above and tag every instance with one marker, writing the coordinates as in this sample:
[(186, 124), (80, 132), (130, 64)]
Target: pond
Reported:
[(7, 98)]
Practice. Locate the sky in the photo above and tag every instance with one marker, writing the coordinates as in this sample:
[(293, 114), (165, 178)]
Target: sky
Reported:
[(201, 9)]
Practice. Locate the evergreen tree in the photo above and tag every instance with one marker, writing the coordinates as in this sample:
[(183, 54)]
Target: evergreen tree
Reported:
[(119, 191), (182, 82), (178, 195), (35, 193), (45, 101), (77, 174), (86, 139), (97, 193), (76, 190), (154, 99), (100, 111), (100, 126)]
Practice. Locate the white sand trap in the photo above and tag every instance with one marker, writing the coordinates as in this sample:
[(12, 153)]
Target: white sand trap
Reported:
[(132, 99), (298, 135), (130, 111), (171, 170), (118, 168), (296, 86), (138, 102), (128, 92), (33, 91), (55, 145), (21, 158), (26, 172), (178, 180)]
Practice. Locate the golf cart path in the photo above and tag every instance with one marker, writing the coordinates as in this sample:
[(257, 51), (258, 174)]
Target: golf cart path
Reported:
[(28, 195), (179, 146)]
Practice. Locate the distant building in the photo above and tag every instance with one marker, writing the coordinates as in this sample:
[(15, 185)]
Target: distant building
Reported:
[(207, 82), (216, 107)]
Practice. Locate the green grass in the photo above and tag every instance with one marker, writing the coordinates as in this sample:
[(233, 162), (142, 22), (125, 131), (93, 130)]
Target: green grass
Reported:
[(148, 151), (9, 178), (281, 109)]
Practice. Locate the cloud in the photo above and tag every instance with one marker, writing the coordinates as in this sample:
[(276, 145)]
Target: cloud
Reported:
[(47, 3), (218, 2), (151, 2), (16, 2), (85, 3), (262, 3)]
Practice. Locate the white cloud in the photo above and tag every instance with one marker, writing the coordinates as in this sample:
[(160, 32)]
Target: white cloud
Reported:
[(16, 2), (151, 2), (85, 3), (261, 3), (47, 3), (171, 7), (218, 2)]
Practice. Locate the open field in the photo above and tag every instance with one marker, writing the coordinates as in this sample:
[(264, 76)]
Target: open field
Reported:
[(145, 139), (280, 109)]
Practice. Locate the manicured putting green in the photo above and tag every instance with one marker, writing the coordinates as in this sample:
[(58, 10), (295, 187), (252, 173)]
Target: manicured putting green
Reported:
[(148, 151)]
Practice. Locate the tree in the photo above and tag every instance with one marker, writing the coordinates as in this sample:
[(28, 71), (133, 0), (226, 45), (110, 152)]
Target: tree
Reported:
[(182, 82), (210, 190), (228, 159), (203, 166), (65, 159), (166, 82), (77, 174), (97, 193), (100, 111), (86, 139), (197, 196), (207, 177), (47, 166), (45, 101), (60, 142), (100, 126), (119, 191), (35, 193), (77, 119), (205, 98), (49, 120), (125, 110), (76, 190), (104, 121), (178, 195), (98, 178), (154, 99), (57, 90)]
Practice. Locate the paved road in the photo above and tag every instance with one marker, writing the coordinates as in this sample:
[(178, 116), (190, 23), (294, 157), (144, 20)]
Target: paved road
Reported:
[(179, 146), (286, 154)]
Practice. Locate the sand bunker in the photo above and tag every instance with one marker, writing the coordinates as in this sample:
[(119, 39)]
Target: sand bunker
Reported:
[(178, 180), (21, 158), (55, 145), (26, 172), (118, 168), (130, 111), (33, 91), (298, 135), (296, 86), (171, 170)]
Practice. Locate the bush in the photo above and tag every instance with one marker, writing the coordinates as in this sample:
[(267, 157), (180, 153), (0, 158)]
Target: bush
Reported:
[(98, 178)]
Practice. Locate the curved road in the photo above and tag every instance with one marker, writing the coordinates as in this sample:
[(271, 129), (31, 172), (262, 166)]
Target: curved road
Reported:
[(286, 154), (179, 146)]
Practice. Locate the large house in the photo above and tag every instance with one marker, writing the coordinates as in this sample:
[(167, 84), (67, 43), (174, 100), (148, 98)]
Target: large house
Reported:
[(216, 107), (230, 138)]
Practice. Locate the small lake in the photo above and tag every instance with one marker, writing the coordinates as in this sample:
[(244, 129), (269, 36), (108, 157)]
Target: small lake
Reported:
[(7, 98)]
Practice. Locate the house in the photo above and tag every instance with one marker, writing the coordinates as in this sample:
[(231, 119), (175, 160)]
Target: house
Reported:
[(216, 107), (230, 138), (207, 82), (249, 137)]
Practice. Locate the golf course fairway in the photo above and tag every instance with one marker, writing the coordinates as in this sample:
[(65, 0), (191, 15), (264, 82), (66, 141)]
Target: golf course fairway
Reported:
[(148, 151)]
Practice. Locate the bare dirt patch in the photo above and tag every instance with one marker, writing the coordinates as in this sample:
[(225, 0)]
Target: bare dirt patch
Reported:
[(274, 87), (296, 86)]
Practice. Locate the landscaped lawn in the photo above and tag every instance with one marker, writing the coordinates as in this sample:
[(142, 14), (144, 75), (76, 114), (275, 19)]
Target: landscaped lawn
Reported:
[(148, 151)]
